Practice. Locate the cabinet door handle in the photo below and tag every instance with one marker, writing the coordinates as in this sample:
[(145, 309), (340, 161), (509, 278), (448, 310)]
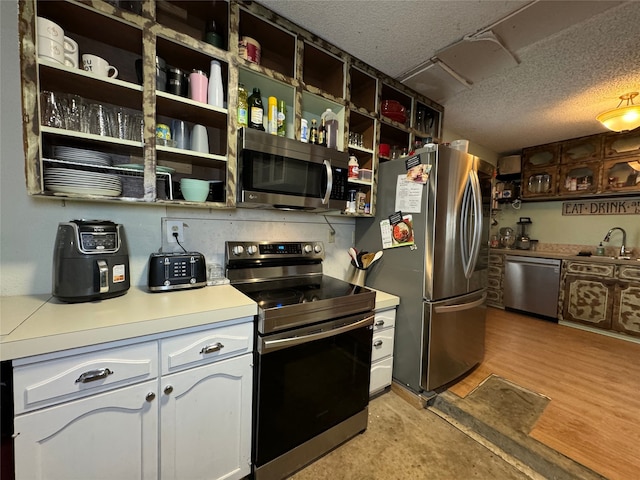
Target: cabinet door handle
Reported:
[(93, 375), (168, 389), (377, 343), (379, 323), (212, 348), (150, 396)]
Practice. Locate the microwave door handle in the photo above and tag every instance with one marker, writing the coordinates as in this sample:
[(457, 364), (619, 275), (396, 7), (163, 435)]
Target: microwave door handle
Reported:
[(327, 193)]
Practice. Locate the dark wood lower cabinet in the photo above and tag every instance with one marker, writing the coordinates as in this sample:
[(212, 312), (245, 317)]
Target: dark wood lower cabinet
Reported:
[(626, 309), (588, 300)]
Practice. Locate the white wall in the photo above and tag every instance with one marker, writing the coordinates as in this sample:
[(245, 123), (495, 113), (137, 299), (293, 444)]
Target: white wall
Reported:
[(28, 225)]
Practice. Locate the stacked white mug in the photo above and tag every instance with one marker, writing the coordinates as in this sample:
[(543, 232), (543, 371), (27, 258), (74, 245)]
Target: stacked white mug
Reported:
[(54, 45)]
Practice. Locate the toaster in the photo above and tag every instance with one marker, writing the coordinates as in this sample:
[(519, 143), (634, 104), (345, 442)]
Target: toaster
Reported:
[(176, 271)]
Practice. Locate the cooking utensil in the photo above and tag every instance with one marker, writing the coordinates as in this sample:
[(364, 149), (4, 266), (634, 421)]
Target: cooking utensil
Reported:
[(354, 255), (375, 258)]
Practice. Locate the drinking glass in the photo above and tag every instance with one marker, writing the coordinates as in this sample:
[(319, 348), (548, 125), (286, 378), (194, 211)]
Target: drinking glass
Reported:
[(72, 111), (136, 127), (50, 115), (100, 120)]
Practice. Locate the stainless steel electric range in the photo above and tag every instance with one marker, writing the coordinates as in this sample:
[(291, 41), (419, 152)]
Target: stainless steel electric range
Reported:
[(313, 353)]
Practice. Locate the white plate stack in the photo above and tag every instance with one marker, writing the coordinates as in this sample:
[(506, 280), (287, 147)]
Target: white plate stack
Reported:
[(67, 180), (80, 155)]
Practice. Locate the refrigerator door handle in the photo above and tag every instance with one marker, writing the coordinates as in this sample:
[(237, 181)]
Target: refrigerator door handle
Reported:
[(471, 224), (458, 308), (477, 221)]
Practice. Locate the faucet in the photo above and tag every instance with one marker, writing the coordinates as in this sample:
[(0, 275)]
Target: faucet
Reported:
[(623, 247)]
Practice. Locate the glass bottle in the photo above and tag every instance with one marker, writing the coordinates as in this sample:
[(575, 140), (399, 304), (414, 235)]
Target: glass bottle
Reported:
[(272, 116), (256, 110), (313, 132), (243, 107), (282, 118), (322, 134)]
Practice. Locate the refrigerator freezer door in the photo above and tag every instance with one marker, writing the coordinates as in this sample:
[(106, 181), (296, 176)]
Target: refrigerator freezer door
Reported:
[(455, 342)]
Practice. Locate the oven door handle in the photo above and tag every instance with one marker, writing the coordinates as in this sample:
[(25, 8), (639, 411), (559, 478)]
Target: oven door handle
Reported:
[(269, 346)]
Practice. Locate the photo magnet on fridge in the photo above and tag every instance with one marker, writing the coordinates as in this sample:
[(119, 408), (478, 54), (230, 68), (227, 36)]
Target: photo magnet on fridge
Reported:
[(417, 172)]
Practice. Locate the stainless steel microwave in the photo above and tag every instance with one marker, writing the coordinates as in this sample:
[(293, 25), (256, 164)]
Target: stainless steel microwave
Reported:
[(278, 172)]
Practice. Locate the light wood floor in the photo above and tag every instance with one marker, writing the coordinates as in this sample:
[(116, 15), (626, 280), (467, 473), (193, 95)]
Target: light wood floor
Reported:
[(593, 382)]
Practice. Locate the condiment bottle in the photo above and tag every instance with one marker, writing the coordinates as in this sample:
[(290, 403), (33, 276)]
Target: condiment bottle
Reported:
[(256, 110), (282, 118), (215, 89), (243, 107), (313, 132), (354, 167), (272, 116), (330, 120), (322, 133)]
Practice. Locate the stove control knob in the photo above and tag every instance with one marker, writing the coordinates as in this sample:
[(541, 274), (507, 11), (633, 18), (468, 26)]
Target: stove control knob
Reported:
[(238, 250), (317, 249), (251, 249), (308, 249)]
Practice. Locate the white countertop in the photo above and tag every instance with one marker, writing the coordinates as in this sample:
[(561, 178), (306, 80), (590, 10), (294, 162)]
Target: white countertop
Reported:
[(38, 324)]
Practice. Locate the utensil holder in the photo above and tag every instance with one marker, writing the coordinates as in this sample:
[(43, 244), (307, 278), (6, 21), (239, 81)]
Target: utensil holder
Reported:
[(356, 276)]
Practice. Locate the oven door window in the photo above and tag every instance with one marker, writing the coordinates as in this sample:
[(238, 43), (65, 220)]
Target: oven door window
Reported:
[(280, 175), (306, 389)]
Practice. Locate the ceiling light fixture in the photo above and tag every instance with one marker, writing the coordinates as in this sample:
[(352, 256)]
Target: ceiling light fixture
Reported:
[(622, 118)]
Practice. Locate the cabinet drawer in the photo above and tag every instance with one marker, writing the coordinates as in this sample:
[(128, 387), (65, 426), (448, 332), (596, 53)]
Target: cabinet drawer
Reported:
[(382, 344), (495, 283), (494, 297), (627, 272), (494, 271), (602, 270), (47, 383), (381, 375), (197, 348), (384, 319)]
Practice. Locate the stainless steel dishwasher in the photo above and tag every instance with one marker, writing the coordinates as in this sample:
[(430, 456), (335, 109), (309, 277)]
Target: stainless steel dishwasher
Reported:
[(531, 284)]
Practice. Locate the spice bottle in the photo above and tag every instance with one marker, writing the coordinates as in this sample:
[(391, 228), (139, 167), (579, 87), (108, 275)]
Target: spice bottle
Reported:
[(282, 118), (256, 110), (272, 116), (313, 132), (243, 107)]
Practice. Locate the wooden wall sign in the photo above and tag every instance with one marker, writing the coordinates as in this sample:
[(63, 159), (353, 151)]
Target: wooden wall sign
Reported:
[(613, 206)]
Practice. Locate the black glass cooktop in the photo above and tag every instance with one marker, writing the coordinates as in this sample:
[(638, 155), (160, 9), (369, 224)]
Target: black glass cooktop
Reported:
[(294, 291)]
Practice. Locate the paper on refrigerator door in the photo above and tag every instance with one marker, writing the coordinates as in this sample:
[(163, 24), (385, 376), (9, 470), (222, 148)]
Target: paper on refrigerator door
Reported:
[(408, 195)]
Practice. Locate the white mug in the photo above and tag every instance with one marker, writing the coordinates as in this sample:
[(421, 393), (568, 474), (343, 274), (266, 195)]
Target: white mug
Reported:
[(49, 29), (98, 66), (50, 49), (70, 52)]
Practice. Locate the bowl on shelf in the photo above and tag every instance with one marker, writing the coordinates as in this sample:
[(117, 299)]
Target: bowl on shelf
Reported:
[(394, 110), (194, 190)]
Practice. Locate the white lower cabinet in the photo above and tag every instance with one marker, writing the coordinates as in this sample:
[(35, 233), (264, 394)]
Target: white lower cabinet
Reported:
[(131, 412), (205, 414), (103, 437), (382, 350)]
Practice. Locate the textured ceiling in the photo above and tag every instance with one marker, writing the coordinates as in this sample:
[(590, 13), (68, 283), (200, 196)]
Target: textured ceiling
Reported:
[(554, 93)]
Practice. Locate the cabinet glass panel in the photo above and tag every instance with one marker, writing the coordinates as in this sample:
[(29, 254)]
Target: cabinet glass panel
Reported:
[(204, 21), (622, 176), (540, 156), (622, 144), (277, 46), (539, 183), (364, 88), (579, 179), (582, 149), (323, 71)]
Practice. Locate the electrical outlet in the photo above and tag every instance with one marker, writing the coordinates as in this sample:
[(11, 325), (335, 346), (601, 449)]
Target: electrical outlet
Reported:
[(175, 226)]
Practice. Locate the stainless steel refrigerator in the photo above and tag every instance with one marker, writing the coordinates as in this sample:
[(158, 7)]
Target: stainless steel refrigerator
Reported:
[(441, 280)]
